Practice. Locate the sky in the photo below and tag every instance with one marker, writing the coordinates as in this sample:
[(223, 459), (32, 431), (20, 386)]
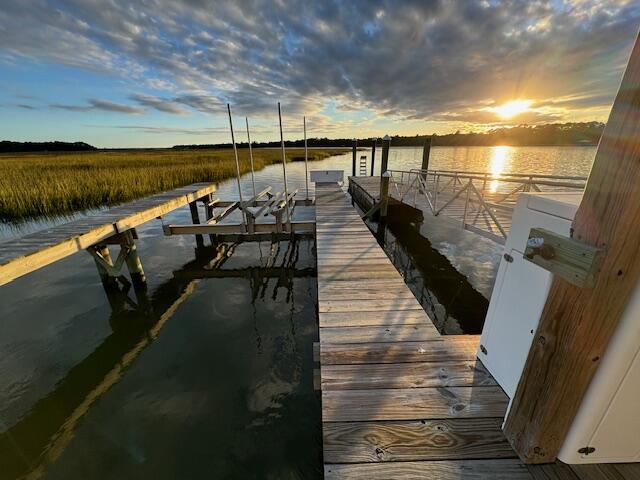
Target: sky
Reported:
[(155, 73)]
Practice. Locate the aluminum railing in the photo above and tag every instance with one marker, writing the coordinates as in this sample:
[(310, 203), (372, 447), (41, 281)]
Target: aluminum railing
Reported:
[(481, 201)]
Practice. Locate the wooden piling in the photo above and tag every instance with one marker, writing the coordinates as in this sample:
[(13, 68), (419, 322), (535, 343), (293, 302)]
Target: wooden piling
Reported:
[(577, 323), (373, 155), (108, 282), (386, 143), (426, 150), (134, 265), (353, 157), (195, 218)]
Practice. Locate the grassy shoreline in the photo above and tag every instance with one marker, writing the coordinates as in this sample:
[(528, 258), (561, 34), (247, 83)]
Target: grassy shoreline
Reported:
[(36, 185)]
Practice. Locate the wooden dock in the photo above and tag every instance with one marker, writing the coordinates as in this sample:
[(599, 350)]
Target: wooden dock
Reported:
[(31, 252), (399, 400)]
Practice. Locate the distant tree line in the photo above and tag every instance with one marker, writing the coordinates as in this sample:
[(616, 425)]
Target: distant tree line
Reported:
[(13, 147), (582, 133)]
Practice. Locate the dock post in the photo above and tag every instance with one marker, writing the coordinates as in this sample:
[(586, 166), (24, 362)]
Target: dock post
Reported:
[(208, 213), (134, 264), (386, 143), (109, 283), (426, 151), (353, 157), (373, 155), (577, 323), (195, 218)]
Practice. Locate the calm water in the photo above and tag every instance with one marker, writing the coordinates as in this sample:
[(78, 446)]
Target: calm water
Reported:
[(211, 370)]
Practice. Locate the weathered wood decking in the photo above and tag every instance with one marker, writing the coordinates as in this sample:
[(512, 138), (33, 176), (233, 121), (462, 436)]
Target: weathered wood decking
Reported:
[(31, 252), (398, 399)]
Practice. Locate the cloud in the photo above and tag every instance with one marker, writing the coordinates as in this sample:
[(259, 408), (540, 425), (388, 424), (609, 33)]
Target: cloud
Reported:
[(157, 103), (411, 60), (101, 105), (165, 130)]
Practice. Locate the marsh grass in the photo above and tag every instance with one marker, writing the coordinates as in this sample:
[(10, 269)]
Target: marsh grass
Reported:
[(50, 185)]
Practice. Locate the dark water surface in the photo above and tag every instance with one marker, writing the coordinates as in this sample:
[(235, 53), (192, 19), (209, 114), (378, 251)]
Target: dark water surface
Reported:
[(209, 375), (449, 270)]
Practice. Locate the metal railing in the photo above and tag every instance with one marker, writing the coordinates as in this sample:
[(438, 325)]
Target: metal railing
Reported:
[(482, 202)]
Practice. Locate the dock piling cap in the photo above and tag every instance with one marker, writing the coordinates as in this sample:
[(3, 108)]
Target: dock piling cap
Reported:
[(386, 138), (386, 174)]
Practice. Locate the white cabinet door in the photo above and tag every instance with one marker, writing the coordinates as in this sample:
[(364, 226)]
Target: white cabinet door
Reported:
[(518, 298)]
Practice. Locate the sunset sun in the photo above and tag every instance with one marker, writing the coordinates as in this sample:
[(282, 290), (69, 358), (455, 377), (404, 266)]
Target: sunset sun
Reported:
[(512, 108)]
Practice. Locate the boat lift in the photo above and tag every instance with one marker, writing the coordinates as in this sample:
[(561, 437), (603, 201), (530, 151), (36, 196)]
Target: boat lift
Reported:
[(266, 214)]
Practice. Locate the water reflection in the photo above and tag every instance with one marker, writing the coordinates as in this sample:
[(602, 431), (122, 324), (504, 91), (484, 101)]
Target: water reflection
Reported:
[(42, 440), (498, 164), (454, 305)]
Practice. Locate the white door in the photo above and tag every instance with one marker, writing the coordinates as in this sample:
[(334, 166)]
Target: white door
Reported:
[(518, 298)]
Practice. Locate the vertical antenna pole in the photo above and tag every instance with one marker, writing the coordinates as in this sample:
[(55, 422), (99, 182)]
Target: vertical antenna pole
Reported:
[(235, 154), (253, 178), (284, 170), (306, 157)]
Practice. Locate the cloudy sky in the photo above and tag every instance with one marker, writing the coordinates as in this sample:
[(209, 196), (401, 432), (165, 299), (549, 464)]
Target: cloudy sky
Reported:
[(159, 72)]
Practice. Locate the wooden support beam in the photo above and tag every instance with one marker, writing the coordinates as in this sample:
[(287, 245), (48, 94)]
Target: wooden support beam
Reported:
[(386, 143), (576, 323), (134, 265), (373, 155), (108, 282), (426, 150), (353, 157), (215, 228), (195, 218)]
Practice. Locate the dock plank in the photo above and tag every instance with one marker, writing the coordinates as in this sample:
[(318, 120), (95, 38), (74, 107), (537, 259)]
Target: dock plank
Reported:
[(493, 469), (412, 403), (405, 375), (363, 442), (383, 333), (397, 352), (409, 303), (355, 319)]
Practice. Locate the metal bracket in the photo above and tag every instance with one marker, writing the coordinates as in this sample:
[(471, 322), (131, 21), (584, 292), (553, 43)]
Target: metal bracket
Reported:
[(574, 261)]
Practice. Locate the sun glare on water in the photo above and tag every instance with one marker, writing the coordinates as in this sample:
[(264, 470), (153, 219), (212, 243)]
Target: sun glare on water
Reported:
[(512, 108), (498, 163)]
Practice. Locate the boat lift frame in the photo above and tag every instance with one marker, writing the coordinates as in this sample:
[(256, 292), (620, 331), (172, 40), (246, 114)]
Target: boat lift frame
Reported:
[(263, 204)]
